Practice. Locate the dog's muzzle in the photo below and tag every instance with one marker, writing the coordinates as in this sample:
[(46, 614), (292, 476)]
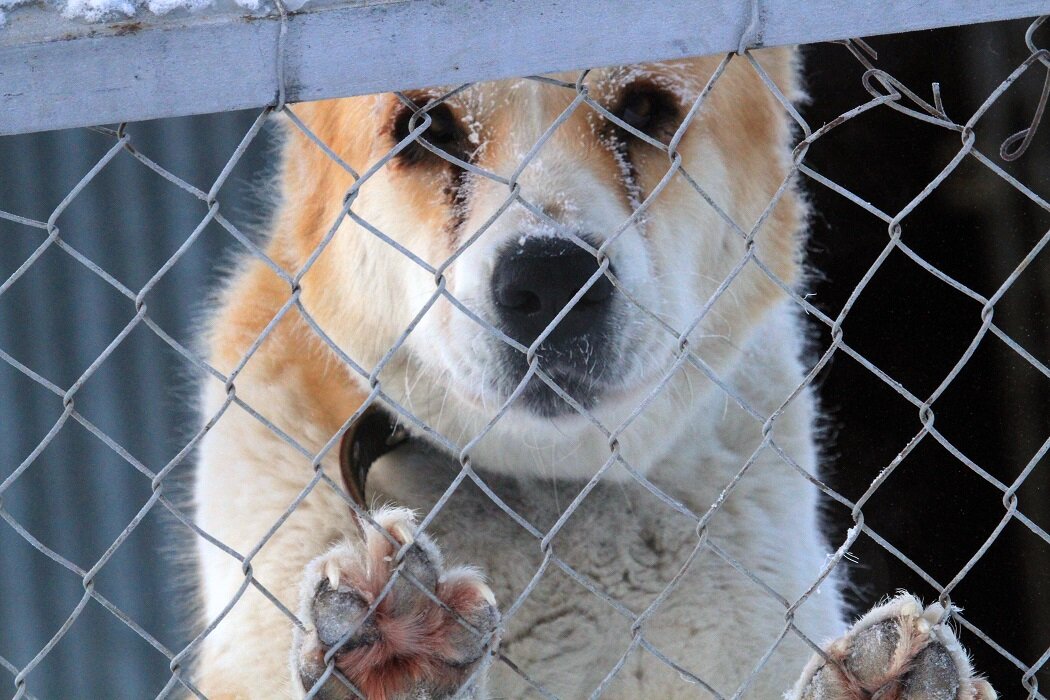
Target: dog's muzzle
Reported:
[(532, 283)]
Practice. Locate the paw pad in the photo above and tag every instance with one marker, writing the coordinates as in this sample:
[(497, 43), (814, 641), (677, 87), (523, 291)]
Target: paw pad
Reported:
[(410, 645), (898, 651)]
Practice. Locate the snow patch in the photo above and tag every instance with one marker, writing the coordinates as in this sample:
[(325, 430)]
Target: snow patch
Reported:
[(108, 10), (97, 10), (9, 5)]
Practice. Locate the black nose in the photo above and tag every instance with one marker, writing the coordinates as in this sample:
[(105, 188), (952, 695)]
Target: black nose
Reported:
[(534, 280)]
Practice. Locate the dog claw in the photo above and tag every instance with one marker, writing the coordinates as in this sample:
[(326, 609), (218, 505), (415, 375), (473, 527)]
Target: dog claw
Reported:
[(331, 572), (401, 532), (486, 593)]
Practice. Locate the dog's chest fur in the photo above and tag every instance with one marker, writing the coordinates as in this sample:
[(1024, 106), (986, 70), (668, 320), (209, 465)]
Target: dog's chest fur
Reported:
[(620, 550)]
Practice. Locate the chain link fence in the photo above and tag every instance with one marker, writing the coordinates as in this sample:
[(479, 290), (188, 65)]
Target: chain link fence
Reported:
[(884, 93)]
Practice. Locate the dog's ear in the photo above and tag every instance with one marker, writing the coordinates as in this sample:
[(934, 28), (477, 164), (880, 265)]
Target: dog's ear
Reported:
[(784, 66), (346, 126), (311, 183)]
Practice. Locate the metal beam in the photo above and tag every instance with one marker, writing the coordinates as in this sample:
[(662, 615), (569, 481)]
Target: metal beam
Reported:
[(57, 73)]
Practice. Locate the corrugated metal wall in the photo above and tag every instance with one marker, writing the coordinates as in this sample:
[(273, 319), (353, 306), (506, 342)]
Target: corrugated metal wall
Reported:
[(79, 494)]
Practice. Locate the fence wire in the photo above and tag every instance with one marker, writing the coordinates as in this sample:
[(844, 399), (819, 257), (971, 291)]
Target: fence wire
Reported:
[(885, 93)]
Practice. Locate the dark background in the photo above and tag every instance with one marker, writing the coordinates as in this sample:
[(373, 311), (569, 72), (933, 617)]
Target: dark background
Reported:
[(79, 494), (977, 229)]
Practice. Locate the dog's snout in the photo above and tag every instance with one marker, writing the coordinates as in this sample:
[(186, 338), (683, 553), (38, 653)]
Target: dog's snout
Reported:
[(534, 281)]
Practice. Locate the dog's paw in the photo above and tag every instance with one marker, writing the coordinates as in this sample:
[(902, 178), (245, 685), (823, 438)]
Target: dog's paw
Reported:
[(410, 646), (895, 652)]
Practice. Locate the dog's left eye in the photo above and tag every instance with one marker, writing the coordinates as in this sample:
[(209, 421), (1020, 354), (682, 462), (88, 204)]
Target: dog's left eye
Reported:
[(444, 132), (647, 109)]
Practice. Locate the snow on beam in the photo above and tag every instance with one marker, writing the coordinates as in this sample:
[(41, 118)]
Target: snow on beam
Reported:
[(57, 73)]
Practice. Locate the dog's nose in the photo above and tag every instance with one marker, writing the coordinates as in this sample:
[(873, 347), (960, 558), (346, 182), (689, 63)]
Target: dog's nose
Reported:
[(533, 281)]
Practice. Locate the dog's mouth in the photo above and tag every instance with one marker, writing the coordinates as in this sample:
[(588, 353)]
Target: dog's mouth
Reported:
[(541, 398), (584, 376)]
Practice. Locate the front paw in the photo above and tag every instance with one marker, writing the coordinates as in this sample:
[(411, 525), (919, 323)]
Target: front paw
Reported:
[(409, 646), (895, 652)]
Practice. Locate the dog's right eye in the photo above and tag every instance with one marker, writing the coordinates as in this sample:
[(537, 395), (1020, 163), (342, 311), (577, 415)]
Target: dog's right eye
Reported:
[(648, 109), (444, 133)]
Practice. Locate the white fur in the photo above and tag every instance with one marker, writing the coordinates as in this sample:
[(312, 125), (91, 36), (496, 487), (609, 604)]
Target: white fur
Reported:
[(690, 441)]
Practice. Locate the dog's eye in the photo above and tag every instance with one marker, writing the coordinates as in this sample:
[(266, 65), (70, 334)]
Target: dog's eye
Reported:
[(444, 132), (647, 109)]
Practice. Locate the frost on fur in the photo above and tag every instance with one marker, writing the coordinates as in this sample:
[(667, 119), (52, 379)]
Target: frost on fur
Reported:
[(898, 651)]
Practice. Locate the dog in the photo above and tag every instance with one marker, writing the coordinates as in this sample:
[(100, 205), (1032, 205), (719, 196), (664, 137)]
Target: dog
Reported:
[(613, 424)]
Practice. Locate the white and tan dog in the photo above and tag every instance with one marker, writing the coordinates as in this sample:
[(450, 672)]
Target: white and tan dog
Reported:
[(716, 606)]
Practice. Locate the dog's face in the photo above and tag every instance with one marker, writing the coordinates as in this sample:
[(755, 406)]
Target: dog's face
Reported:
[(566, 239)]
